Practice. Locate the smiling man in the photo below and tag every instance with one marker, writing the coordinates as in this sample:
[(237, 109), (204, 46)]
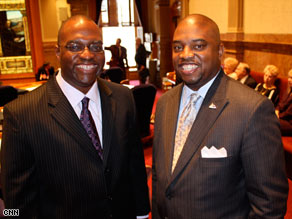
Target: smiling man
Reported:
[(70, 148), (217, 145)]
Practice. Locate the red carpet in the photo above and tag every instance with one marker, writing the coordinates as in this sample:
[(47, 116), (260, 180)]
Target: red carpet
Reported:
[(289, 202)]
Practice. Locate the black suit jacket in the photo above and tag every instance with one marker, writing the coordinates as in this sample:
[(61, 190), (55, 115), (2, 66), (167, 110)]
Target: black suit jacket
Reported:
[(50, 168), (117, 59), (251, 82)]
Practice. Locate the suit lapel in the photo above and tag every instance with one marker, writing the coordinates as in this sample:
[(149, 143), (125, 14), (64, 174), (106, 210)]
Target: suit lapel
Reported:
[(203, 123), (108, 108), (170, 126), (64, 114)]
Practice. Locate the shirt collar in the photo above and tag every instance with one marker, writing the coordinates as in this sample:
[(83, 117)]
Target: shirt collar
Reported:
[(202, 91), (75, 96)]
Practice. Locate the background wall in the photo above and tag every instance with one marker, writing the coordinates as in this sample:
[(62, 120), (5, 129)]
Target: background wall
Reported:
[(217, 10), (52, 13), (268, 16), (264, 30)]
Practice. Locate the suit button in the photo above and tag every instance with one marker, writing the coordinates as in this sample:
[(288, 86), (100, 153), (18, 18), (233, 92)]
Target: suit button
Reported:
[(107, 170), (110, 198)]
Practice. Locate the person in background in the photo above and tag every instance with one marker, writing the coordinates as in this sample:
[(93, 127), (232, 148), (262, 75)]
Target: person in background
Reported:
[(229, 67), (217, 149), (284, 110), (243, 75), (71, 149), (268, 88), (141, 54), (45, 72), (12, 45), (140, 58), (119, 56)]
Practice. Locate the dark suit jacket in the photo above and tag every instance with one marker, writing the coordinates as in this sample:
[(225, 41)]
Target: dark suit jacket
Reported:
[(285, 115), (251, 82), (141, 56), (249, 183), (50, 168)]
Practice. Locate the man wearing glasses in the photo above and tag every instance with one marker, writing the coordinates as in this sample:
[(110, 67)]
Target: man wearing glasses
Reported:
[(70, 148)]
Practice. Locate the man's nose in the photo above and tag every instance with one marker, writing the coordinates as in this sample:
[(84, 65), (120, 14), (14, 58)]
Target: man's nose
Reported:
[(186, 53), (86, 53)]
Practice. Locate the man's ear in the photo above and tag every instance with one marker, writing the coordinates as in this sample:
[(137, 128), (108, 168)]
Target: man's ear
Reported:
[(57, 50), (221, 50)]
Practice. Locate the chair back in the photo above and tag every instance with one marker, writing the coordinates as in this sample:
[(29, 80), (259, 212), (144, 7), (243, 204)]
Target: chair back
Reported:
[(144, 96), (7, 94), (115, 74)]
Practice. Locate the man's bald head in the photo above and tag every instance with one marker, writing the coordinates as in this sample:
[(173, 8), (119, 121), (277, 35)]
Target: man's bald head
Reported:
[(74, 20), (201, 21), (197, 50)]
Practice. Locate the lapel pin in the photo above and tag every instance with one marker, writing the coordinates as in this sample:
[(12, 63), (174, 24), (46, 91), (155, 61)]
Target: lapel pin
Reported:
[(212, 106)]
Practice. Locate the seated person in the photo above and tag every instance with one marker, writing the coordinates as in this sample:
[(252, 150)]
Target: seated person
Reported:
[(243, 75), (12, 45), (229, 67), (144, 76), (284, 110), (44, 72), (268, 88)]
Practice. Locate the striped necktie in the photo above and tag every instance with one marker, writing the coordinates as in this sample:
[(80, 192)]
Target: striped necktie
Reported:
[(185, 123)]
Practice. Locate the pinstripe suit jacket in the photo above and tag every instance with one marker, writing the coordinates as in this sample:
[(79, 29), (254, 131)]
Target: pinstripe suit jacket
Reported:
[(249, 183), (50, 168)]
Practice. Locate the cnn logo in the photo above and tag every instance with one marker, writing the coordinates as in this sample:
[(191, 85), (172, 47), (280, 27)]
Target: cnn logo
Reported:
[(11, 212)]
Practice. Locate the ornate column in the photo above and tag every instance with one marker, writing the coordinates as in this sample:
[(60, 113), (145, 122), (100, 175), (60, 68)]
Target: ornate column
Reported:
[(163, 17), (233, 40)]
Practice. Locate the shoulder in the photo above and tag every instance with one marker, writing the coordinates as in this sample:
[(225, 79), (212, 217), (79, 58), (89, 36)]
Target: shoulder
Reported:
[(29, 101), (171, 94), (113, 88), (238, 90), (245, 98)]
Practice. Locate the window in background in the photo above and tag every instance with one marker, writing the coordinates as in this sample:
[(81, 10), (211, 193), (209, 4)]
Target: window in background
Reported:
[(117, 21), (127, 35)]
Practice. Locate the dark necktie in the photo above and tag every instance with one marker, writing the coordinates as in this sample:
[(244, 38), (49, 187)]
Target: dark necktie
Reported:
[(88, 123)]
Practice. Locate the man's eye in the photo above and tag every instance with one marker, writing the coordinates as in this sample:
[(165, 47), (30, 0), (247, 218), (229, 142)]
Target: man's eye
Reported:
[(96, 48), (74, 47), (199, 47), (177, 48)]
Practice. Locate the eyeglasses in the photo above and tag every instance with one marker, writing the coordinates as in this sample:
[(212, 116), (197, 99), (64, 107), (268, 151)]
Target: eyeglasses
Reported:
[(78, 47)]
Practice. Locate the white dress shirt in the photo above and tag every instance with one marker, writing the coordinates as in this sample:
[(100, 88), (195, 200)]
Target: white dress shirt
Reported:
[(188, 91), (75, 96)]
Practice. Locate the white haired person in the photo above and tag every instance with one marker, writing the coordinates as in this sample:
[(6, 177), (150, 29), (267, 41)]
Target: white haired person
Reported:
[(229, 67), (268, 87)]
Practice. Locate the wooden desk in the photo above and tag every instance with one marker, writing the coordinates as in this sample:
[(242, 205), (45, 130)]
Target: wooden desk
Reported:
[(29, 86)]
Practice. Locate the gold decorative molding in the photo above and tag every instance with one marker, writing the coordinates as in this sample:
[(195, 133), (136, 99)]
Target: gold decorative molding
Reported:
[(16, 65), (6, 5)]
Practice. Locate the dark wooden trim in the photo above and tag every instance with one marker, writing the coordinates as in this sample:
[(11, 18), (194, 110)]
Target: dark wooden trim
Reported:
[(240, 46), (33, 18)]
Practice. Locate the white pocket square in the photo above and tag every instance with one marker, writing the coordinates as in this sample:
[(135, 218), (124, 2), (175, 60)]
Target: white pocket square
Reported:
[(213, 152)]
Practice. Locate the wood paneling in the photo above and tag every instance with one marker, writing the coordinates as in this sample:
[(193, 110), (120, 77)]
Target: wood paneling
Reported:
[(50, 54), (259, 50)]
